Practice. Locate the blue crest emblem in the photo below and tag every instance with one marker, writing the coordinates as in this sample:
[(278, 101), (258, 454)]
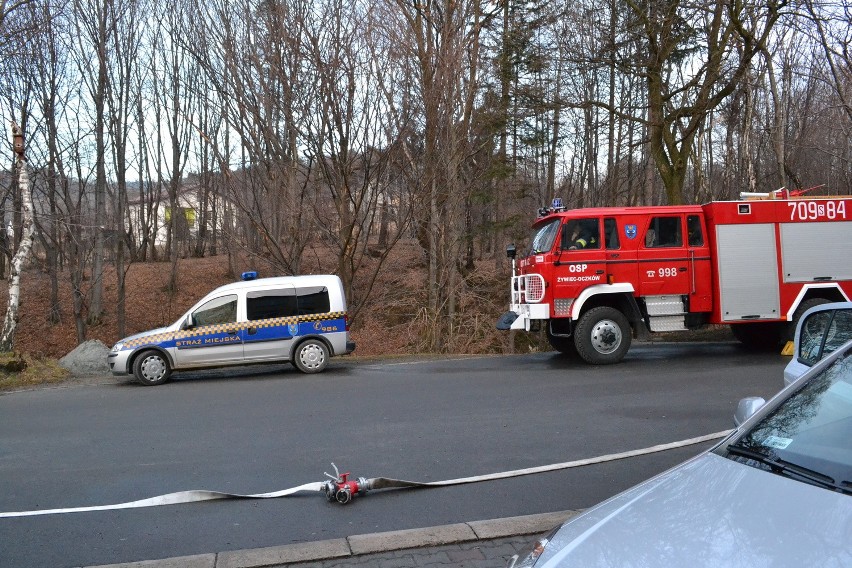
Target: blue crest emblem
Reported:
[(293, 328), (630, 231)]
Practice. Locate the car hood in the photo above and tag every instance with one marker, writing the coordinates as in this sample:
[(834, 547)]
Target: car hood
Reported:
[(710, 511), (147, 333)]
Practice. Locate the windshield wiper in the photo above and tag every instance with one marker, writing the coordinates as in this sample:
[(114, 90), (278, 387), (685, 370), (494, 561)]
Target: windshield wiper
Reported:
[(778, 465)]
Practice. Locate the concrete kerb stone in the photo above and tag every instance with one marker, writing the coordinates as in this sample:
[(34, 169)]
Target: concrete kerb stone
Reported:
[(513, 526), (197, 561), (412, 538), (358, 545), (286, 554)]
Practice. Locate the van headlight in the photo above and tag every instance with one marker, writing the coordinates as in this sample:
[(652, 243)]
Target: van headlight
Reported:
[(117, 347)]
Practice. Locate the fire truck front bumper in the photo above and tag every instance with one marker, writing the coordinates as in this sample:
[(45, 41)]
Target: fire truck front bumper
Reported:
[(520, 316)]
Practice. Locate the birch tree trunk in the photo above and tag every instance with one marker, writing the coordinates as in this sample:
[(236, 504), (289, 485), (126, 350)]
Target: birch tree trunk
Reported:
[(10, 322)]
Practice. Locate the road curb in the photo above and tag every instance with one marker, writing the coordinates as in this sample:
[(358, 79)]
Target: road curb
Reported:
[(357, 545)]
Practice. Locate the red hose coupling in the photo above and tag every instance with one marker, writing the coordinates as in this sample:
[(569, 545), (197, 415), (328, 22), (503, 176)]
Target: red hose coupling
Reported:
[(342, 489)]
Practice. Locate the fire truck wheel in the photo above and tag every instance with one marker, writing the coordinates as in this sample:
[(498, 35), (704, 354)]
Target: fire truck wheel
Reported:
[(758, 336), (564, 345), (151, 368), (790, 328), (311, 356), (602, 336)]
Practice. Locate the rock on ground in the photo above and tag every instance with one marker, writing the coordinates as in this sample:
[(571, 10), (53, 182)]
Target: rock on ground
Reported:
[(87, 359)]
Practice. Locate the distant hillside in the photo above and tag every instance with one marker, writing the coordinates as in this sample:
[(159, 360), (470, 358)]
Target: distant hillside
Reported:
[(390, 321)]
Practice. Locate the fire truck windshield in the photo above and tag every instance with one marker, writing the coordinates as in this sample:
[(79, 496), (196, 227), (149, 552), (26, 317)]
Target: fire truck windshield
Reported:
[(544, 236)]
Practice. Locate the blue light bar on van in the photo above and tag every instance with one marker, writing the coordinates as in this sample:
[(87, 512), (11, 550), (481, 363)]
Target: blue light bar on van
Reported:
[(250, 275)]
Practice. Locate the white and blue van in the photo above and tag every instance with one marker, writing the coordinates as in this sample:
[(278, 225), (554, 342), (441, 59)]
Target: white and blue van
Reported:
[(301, 319)]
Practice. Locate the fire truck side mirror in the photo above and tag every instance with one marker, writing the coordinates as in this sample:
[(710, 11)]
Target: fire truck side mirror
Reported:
[(510, 251)]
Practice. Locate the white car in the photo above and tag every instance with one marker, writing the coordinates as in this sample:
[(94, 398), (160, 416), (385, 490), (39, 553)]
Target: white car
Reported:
[(776, 492), (301, 319), (820, 330)]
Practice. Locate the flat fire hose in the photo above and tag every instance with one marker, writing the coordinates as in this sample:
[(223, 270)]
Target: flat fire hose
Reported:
[(341, 489)]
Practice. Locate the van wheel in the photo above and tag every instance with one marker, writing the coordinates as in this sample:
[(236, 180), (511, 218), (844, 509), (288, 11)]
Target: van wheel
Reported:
[(311, 356), (151, 368), (602, 336)]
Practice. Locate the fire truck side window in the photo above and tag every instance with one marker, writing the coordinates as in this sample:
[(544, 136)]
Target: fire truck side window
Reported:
[(611, 233), (664, 232), (693, 230), (582, 234)]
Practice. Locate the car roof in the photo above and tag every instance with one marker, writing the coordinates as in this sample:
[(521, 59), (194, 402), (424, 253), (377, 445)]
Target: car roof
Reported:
[(304, 280), (831, 306)]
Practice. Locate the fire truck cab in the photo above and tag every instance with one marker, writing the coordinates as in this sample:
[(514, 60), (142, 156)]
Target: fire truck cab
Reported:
[(597, 277)]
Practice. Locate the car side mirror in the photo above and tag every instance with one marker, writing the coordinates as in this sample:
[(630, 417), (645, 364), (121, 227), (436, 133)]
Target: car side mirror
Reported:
[(189, 323), (746, 408)]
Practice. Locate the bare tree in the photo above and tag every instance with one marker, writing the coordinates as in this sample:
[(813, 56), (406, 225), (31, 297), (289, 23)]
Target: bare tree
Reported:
[(95, 20), (697, 54), (344, 138), (50, 69), (444, 43), (252, 58), (833, 23), (175, 95), (10, 322), (125, 39)]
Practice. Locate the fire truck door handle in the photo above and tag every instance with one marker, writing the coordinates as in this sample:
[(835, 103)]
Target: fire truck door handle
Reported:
[(683, 269), (599, 272)]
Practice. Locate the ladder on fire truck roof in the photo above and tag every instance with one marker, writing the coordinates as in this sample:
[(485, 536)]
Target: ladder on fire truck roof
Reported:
[(785, 193)]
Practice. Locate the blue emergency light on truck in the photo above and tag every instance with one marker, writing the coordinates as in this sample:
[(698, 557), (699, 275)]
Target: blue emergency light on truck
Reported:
[(301, 319)]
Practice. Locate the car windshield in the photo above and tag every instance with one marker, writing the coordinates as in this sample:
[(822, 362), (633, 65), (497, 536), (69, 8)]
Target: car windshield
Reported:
[(544, 236), (808, 435)]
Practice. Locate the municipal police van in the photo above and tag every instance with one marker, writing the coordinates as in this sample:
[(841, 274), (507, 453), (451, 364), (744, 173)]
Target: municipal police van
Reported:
[(301, 319)]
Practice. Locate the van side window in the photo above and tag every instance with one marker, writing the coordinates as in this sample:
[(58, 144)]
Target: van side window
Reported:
[(313, 300), (664, 232), (268, 304), (216, 311)]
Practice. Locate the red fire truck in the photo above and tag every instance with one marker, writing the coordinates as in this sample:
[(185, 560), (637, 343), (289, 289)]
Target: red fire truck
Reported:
[(597, 277)]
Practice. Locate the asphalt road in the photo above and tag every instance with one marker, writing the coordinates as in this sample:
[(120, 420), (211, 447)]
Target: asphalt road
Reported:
[(264, 429)]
